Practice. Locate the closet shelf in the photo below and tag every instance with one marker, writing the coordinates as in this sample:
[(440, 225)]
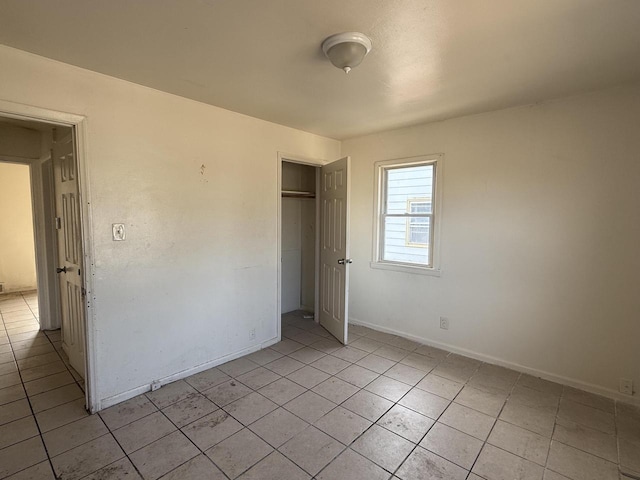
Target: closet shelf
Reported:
[(298, 194)]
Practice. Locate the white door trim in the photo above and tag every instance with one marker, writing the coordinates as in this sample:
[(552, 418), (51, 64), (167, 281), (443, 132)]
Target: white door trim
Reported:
[(79, 123), (314, 162)]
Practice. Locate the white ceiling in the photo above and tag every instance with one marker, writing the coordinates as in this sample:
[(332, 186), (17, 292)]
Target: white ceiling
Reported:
[(431, 59)]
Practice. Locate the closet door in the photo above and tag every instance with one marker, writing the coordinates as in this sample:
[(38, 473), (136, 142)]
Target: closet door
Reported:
[(334, 248)]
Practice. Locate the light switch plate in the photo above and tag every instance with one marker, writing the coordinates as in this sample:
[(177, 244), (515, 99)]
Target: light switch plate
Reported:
[(118, 232)]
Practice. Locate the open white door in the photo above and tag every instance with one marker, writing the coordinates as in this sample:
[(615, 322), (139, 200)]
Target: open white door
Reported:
[(334, 248), (70, 271)]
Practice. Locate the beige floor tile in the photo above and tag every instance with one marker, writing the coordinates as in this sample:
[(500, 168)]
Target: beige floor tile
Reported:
[(250, 408), (286, 346), (310, 406), (7, 368), (10, 412), (440, 386), (10, 379), (51, 382), (31, 342), (468, 421), (368, 405), (284, 366), (352, 466), (392, 353), (33, 351), (38, 360), (74, 434), (421, 362), (85, 459), (308, 377), (388, 388), (455, 372), (207, 379), (587, 439), (40, 471), (521, 442), (43, 371), (491, 383), (550, 475), (376, 363), (198, 468), (383, 447), (171, 393), (258, 378), (365, 344), (6, 357), (482, 401), (21, 455), (579, 465), (357, 375), (227, 392), (455, 446), (61, 415), (275, 467), (312, 449), (307, 355), (589, 399), (425, 403), (127, 412), (189, 410), (534, 398), (11, 394), (330, 364), (142, 432), (406, 423), (629, 455), (343, 425), (423, 464), (55, 397), (282, 391), (212, 429), (405, 374), (586, 416), (237, 367), (238, 453), (538, 420), (327, 345), (496, 464), (17, 431), (264, 356), (335, 390), (163, 455), (349, 354), (120, 469), (278, 427)]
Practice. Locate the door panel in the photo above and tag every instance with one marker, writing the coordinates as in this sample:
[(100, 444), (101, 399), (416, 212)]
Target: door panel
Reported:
[(69, 251), (334, 249)]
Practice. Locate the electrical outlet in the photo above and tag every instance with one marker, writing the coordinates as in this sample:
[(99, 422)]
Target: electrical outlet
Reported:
[(444, 323), (252, 334), (626, 386)]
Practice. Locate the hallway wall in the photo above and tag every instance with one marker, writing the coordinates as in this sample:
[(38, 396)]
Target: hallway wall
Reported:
[(17, 253)]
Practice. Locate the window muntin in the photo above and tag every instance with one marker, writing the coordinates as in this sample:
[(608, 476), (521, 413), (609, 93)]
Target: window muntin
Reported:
[(406, 217)]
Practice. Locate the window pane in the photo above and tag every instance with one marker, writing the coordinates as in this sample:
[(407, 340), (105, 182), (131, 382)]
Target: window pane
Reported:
[(409, 183), (407, 239)]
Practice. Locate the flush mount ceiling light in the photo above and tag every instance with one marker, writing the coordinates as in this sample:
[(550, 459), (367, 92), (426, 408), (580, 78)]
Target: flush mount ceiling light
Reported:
[(346, 50)]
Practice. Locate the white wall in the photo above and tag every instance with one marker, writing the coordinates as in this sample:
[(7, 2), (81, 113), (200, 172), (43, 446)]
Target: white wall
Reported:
[(540, 237), (196, 187), (17, 253)]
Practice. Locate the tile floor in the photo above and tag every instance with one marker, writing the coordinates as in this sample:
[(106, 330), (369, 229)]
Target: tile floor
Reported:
[(383, 407)]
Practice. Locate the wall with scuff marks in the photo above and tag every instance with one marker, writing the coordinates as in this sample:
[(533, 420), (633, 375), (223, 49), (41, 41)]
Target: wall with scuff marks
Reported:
[(195, 186)]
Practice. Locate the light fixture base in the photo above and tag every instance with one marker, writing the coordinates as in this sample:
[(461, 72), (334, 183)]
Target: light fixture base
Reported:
[(346, 50)]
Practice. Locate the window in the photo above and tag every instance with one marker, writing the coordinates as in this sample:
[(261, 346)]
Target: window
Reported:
[(406, 214)]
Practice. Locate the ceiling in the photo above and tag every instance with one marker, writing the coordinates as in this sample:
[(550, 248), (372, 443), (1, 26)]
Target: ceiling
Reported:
[(431, 59)]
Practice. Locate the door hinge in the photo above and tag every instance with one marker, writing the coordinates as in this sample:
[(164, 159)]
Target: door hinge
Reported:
[(58, 223), (83, 291)]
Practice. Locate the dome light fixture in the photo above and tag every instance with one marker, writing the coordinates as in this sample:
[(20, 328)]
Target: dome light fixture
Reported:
[(346, 50)]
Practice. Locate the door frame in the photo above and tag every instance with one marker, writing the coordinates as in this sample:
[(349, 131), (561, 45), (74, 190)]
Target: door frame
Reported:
[(313, 162), (79, 124)]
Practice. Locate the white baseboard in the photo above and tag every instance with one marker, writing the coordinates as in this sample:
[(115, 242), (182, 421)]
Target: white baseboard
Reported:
[(121, 397), (571, 382)]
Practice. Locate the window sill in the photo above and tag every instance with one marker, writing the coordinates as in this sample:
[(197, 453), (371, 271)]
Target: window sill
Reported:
[(432, 272)]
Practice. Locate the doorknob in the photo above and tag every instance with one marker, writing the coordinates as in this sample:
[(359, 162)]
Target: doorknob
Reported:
[(61, 270), (342, 261)]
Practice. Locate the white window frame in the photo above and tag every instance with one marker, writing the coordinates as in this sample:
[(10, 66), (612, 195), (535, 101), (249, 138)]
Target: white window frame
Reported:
[(408, 241), (380, 194)]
